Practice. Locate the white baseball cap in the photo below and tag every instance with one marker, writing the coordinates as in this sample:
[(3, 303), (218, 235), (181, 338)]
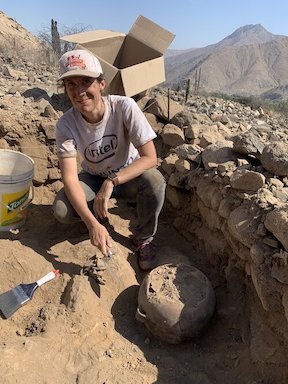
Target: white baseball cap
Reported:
[(79, 62)]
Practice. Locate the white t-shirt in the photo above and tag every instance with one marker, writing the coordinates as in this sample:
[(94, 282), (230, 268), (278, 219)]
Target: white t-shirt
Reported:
[(109, 145)]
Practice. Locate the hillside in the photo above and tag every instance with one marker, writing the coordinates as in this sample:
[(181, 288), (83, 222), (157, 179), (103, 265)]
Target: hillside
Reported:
[(250, 61), (12, 33)]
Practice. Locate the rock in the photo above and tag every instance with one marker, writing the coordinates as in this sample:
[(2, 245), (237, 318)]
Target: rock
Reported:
[(163, 108), (243, 225), (259, 252), (276, 222), (275, 158), (174, 197), (248, 143), (266, 288), (156, 125), (168, 164), (172, 135), (279, 271), (188, 152), (225, 168), (79, 296), (218, 153), (8, 71), (226, 206), (209, 193), (192, 132), (49, 129), (182, 119), (182, 166), (54, 174), (176, 179), (213, 220), (50, 112), (210, 135), (245, 180)]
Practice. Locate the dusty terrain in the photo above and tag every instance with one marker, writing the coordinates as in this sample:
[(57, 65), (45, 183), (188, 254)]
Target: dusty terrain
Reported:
[(90, 335)]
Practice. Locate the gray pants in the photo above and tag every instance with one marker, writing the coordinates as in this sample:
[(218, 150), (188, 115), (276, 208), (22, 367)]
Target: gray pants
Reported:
[(147, 191)]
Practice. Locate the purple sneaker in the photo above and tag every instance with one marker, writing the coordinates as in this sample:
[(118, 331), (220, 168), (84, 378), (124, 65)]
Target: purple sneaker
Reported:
[(146, 254)]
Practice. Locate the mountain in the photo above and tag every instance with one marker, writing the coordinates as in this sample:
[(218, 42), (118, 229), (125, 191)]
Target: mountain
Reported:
[(250, 61), (12, 33)]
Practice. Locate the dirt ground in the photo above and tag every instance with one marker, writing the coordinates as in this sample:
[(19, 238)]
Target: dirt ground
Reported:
[(77, 331)]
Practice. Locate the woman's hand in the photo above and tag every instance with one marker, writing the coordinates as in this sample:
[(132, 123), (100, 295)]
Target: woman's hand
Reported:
[(99, 237), (101, 200)]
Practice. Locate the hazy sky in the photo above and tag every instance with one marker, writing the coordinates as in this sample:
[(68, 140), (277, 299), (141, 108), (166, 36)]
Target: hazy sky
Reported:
[(196, 23)]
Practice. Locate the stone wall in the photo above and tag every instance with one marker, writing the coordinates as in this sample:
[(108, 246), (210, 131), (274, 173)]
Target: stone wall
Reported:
[(226, 168)]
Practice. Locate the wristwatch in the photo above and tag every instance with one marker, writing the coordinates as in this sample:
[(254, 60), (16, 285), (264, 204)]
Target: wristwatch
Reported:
[(113, 177)]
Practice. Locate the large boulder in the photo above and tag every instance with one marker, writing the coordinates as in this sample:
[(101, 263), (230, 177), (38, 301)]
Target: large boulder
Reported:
[(275, 158)]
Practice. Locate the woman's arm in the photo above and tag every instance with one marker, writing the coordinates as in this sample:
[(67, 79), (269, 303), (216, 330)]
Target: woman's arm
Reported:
[(99, 236), (147, 160)]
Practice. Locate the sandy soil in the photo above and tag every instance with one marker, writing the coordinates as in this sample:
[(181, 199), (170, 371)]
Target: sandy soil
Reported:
[(77, 331)]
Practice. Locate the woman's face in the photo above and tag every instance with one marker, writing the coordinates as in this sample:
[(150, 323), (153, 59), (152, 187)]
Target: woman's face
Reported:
[(85, 94)]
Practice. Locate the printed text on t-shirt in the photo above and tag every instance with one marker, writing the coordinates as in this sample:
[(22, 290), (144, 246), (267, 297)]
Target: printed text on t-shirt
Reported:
[(101, 150)]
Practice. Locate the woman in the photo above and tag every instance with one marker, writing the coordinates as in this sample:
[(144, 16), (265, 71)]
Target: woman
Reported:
[(115, 141)]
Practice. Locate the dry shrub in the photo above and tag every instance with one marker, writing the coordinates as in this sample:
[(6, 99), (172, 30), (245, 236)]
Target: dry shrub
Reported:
[(21, 50)]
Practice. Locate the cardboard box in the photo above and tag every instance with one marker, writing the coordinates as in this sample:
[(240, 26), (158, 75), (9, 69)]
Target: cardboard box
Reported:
[(131, 63)]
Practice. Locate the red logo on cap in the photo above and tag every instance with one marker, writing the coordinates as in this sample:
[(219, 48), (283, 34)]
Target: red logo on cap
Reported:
[(73, 61)]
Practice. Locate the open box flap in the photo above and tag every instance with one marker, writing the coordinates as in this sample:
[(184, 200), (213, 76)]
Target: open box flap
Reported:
[(143, 76), (85, 37), (151, 34), (107, 49)]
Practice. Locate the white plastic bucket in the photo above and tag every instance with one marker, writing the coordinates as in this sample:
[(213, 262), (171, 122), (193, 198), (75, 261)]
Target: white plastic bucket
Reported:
[(16, 175)]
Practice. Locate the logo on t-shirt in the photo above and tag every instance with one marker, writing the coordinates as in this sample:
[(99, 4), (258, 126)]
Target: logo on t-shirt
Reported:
[(101, 150)]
